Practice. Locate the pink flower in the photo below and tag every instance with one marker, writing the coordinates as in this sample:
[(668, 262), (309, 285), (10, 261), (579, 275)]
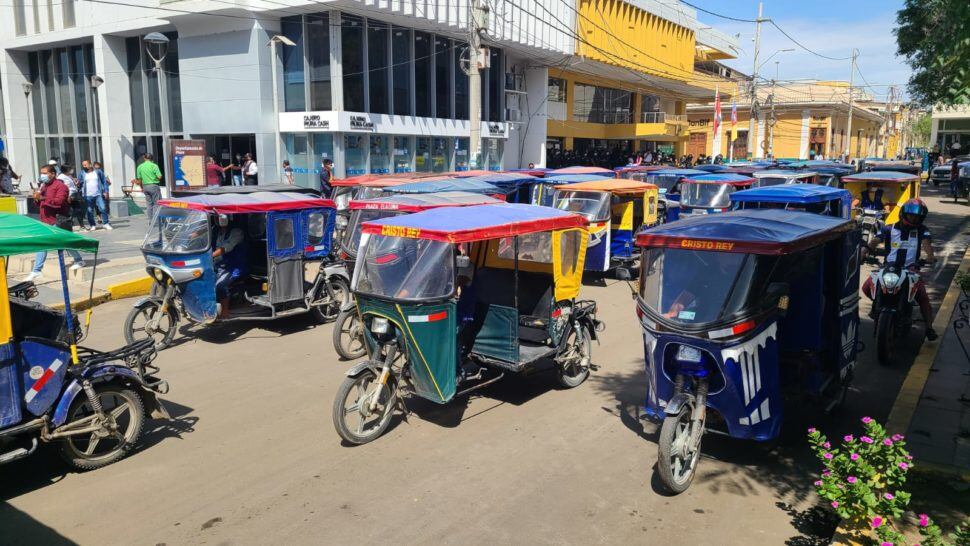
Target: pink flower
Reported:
[(867, 420), (889, 496), (887, 442), (835, 504), (827, 455), (847, 438), (876, 522), (884, 543), (827, 445), (818, 483), (812, 430), (827, 473), (924, 520), (854, 456), (866, 439), (851, 479), (904, 466), (909, 457), (897, 437)]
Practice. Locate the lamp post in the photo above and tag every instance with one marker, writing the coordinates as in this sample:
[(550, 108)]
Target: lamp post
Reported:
[(96, 82), (277, 39), (28, 87), (159, 42)]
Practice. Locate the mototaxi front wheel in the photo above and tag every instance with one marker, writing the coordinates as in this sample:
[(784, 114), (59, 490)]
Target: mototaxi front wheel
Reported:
[(678, 451), (363, 407), (340, 290), (348, 335), (124, 417), (147, 320)]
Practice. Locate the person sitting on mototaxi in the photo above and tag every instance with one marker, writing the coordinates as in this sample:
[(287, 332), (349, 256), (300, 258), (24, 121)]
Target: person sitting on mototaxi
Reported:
[(229, 261), (703, 283), (904, 242), (871, 201)]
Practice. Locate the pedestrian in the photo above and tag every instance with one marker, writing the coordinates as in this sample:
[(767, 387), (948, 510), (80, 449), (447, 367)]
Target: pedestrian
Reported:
[(7, 176), (74, 194), (107, 198), (287, 172), (213, 172), (53, 200), (326, 178), (55, 162), (94, 189), (148, 176), (250, 171), (237, 179)]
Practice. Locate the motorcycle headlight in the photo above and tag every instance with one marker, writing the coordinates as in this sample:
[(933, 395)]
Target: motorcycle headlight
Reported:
[(341, 221), (890, 279), (379, 325)]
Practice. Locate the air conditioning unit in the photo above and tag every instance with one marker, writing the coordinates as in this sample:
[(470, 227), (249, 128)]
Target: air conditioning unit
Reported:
[(513, 115), (514, 82)]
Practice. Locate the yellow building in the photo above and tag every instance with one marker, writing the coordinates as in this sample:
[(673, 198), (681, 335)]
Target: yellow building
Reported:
[(797, 121), (633, 73)]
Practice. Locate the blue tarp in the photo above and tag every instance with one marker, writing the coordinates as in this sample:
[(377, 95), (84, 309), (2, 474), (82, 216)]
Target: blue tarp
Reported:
[(571, 178), (503, 179), (713, 168), (469, 185), (791, 193), (722, 177), (678, 172)]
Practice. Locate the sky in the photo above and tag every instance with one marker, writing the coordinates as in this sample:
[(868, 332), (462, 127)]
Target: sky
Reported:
[(829, 27)]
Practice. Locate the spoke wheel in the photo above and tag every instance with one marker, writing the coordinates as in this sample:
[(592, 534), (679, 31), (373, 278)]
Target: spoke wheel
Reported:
[(574, 362), (142, 324), (348, 335), (356, 416), (329, 310), (117, 434), (678, 455)]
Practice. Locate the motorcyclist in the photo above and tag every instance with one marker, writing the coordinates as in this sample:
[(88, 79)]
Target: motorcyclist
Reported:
[(904, 242)]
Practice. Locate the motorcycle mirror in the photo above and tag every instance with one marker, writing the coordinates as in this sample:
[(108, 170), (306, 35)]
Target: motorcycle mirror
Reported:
[(223, 220)]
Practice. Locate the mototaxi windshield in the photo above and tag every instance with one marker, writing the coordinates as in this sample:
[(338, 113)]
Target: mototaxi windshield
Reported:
[(595, 206), (706, 194), (401, 268), (177, 230), (351, 239)]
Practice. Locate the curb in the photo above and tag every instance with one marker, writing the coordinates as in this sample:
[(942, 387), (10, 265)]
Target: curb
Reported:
[(127, 289), (901, 414)]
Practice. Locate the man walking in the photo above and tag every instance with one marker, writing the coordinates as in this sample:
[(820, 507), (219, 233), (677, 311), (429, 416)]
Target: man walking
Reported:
[(55, 210), (95, 191), (326, 177), (148, 176), (250, 170)]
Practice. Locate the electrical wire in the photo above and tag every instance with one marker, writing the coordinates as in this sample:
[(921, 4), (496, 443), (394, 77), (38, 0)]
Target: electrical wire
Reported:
[(729, 18)]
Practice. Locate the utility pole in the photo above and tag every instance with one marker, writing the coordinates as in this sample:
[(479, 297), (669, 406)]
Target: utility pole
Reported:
[(771, 123), (848, 123), (888, 123), (753, 113), (476, 24)]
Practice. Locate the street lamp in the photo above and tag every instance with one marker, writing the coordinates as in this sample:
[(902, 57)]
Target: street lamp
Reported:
[(277, 39), (786, 50), (156, 45), (28, 87), (96, 82)]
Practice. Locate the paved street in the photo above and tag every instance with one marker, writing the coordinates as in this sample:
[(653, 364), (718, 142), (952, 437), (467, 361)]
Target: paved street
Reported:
[(252, 456)]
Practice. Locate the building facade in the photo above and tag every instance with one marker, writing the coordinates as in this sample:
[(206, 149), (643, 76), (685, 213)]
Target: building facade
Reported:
[(951, 129)]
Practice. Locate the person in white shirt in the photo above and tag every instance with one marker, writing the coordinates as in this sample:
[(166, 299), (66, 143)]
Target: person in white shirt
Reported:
[(94, 189), (250, 171)]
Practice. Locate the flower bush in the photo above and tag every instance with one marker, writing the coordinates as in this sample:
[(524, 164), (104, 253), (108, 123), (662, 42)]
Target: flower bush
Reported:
[(863, 480)]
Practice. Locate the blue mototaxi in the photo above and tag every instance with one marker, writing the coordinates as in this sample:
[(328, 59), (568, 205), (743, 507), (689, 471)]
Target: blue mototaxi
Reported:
[(713, 168), (774, 177), (544, 189), (710, 193), (668, 185), (467, 185), (802, 197), (517, 187), (737, 310), (273, 237)]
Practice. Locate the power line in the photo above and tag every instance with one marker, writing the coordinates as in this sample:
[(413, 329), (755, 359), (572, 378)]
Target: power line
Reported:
[(728, 17), (799, 44)]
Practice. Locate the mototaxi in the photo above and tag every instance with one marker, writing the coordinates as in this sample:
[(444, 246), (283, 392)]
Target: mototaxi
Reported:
[(774, 177), (667, 181), (91, 403), (802, 197), (739, 312), (616, 209), (710, 193), (280, 236), (453, 302), (878, 197), (544, 189)]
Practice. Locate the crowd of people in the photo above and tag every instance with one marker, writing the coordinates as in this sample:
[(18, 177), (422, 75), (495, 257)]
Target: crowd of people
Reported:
[(610, 158)]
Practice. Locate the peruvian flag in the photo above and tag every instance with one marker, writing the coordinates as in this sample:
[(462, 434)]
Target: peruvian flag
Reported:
[(42, 380), (434, 317), (716, 148), (734, 121)]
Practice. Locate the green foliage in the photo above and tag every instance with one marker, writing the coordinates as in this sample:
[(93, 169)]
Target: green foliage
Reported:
[(934, 37), (922, 129), (863, 481), (962, 279)]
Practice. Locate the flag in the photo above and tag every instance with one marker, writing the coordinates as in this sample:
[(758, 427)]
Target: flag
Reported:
[(716, 148), (734, 121)]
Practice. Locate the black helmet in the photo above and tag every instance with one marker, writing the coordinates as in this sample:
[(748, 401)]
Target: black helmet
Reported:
[(914, 212)]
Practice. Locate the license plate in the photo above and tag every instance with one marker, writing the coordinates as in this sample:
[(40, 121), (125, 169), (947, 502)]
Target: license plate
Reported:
[(688, 354)]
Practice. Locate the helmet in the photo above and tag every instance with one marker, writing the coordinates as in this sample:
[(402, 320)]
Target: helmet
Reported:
[(914, 212)]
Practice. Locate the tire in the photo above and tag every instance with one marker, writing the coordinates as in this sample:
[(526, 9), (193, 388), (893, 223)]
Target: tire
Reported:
[(358, 386), (573, 374), (348, 335), (676, 479), (329, 311), (137, 322), (85, 452), (885, 338)]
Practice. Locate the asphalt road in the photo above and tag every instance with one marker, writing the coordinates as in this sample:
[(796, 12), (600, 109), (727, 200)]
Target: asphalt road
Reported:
[(251, 455)]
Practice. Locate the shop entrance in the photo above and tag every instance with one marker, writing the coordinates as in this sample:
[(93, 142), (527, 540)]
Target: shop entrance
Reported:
[(229, 149)]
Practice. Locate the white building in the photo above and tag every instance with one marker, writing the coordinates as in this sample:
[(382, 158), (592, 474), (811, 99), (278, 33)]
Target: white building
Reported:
[(951, 125)]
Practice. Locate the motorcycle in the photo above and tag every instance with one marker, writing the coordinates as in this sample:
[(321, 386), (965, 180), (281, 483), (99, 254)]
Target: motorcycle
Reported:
[(871, 222), (892, 308)]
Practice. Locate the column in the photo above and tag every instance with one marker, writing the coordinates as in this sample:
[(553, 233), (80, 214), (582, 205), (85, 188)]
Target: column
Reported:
[(14, 72), (114, 104), (527, 141)]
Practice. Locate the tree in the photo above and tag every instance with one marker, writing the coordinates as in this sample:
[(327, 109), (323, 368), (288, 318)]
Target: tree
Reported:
[(934, 37), (922, 129)]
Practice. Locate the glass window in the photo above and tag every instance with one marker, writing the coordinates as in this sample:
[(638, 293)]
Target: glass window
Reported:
[(595, 206), (406, 269), (36, 16), (355, 154), (92, 94), (423, 75), (401, 47), (136, 84), (41, 144), (557, 90), (50, 14), (494, 150), (322, 149), (378, 43), (533, 247), (47, 73), (36, 97), (79, 78), (173, 91), (67, 6), (177, 230), (380, 160), (296, 153), (316, 226), (283, 233), (422, 160), (84, 149), (461, 154), (461, 82), (699, 194), (496, 84), (62, 71), (352, 43), (570, 243), (440, 155), (601, 104), (294, 96), (442, 64), (351, 238), (318, 57), (154, 104), (402, 154), (19, 17)]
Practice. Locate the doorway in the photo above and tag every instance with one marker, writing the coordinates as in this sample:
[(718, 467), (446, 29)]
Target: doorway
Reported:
[(697, 144), (229, 149)]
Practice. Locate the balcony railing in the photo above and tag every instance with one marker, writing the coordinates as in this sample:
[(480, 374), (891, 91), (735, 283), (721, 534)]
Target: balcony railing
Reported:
[(662, 117)]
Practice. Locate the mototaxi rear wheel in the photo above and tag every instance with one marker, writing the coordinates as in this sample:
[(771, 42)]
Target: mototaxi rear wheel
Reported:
[(340, 289), (348, 335), (124, 418), (573, 364)]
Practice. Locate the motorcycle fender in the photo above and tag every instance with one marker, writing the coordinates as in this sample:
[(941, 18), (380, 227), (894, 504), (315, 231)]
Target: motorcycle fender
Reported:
[(172, 309), (101, 374), (363, 367), (336, 270), (145, 299), (677, 402)]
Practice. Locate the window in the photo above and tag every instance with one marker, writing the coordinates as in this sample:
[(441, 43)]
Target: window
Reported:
[(423, 75), (36, 17), (496, 84), (602, 104), (316, 224), (533, 247), (62, 71), (401, 47), (67, 6), (318, 59), (322, 149), (402, 154), (440, 155), (284, 234), (80, 82), (355, 154), (378, 52), (147, 108), (557, 90), (422, 160), (19, 17), (296, 153), (178, 230), (461, 154), (47, 71), (379, 158), (494, 151), (443, 79), (352, 43), (136, 85), (570, 243), (294, 96), (50, 15), (37, 99), (461, 82)]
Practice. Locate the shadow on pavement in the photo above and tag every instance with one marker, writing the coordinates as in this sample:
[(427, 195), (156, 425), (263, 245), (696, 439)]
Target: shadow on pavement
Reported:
[(17, 527)]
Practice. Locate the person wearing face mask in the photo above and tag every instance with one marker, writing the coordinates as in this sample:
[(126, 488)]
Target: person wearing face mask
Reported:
[(94, 189), (53, 199)]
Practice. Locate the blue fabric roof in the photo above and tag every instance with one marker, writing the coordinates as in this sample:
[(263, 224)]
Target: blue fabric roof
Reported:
[(792, 193), (503, 180), (713, 168), (679, 172), (453, 184), (572, 178), (722, 177), (784, 172), (768, 227), (881, 175)]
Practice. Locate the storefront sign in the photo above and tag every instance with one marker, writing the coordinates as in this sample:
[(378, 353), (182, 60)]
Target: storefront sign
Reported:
[(494, 129), (698, 122), (314, 121), (188, 163), (361, 123)]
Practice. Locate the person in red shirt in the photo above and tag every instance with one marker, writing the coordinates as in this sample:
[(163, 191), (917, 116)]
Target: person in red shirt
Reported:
[(53, 199), (213, 172)]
